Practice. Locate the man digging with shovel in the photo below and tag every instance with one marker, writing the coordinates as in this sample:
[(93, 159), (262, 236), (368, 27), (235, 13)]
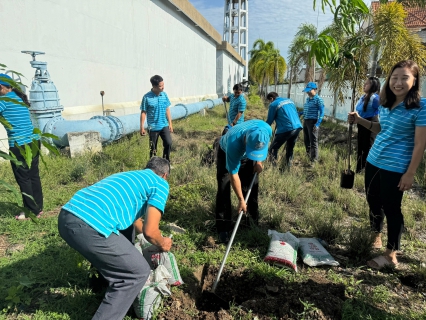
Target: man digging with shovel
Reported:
[(242, 150), (94, 220)]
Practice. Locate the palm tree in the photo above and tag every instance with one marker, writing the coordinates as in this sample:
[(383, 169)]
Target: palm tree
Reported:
[(266, 63), (307, 32)]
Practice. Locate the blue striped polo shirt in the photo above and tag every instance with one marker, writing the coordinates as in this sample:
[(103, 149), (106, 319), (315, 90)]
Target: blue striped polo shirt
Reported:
[(19, 118), (155, 108), (232, 143), (115, 202), (314, 109), (372, 106), (236, 104), (393, 148), (284, 112)]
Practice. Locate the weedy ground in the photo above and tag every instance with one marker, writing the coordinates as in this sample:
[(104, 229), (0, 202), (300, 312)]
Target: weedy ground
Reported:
[(42, 278)]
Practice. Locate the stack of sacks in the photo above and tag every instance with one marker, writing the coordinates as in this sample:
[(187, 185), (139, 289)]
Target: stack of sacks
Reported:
[(284, 246), (164, 272)]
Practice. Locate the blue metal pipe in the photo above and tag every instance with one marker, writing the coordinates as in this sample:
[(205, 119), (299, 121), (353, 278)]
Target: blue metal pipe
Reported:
[(46, 111), (112, 128)]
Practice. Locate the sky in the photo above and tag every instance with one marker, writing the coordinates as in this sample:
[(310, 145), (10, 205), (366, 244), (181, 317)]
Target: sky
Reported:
[(270, 20)]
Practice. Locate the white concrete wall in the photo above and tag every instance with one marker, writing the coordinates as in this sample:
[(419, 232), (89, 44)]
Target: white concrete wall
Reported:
[(109, 45), (114, 46), (229, 72)]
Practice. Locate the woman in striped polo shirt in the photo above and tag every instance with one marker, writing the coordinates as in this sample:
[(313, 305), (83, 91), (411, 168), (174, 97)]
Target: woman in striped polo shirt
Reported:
[(395, 155), (21, 135), (367, 108)]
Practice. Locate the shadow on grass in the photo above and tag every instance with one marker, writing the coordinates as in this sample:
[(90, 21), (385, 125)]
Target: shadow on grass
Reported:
[(52, 281), (8, 209)]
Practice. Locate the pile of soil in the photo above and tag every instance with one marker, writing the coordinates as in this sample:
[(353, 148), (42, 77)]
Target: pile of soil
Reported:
[(266, 298)]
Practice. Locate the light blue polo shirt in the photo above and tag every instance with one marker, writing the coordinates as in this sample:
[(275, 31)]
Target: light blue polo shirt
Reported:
[(372, 106), (236, 104), (284, 112), (155, 108), (19, 118), (115, 202), (314, 109), (232, 143), (393, 148)]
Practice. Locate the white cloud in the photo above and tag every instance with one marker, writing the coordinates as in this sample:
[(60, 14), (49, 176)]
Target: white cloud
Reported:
[(270, 20)]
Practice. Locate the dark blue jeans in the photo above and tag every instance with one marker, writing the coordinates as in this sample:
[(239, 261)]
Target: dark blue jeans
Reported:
[(290, 137)]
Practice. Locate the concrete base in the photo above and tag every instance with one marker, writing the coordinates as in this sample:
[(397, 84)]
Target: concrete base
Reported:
[(82, 142)]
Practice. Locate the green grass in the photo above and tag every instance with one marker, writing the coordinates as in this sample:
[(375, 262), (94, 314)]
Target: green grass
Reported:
[(46, 279)]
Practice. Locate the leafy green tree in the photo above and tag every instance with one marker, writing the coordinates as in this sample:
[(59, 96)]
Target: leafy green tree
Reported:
[(394, 41)]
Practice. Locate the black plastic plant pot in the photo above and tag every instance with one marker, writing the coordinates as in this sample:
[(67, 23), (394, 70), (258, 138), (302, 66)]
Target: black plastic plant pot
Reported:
[(347, 179)]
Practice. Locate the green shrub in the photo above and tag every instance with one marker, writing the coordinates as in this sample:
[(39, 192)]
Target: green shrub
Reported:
[(359, 242)]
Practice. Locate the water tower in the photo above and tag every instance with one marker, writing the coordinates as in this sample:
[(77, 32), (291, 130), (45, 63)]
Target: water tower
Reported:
[(235, 30)]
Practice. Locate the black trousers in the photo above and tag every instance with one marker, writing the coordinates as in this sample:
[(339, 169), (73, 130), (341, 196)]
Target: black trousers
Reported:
[(289, 137), (384, 199), (310, 138), (365, 141), (28, 179), (223, 196), (167, 142)]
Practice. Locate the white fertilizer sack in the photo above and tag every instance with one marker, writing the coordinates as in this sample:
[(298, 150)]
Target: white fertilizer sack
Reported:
[(168, 260), (282, 249), (148, 300), (150, 296), (314, 254)]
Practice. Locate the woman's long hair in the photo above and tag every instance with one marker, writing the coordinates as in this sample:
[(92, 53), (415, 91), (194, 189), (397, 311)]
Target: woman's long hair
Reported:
[(374, 88), (20, 94), (412, 99)]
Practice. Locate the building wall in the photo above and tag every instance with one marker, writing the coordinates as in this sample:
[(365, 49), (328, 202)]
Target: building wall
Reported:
[(228, 69), (114, 46)]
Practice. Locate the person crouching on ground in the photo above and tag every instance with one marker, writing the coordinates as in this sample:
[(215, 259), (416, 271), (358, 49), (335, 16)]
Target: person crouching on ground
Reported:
[(20, 136), (237, 105), (155, 107), (367, 108), (242, 150), (287, 126), (395, 155), (93, 220), (313, 112)]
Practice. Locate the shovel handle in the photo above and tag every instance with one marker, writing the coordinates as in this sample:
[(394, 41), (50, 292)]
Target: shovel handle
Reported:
[(228, 247)]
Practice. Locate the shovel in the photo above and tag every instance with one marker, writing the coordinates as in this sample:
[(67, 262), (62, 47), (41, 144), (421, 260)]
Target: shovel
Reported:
[(347, 176), (211, 295)]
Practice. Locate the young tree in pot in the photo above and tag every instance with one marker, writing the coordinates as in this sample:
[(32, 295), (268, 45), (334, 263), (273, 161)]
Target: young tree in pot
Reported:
[(344, 59)]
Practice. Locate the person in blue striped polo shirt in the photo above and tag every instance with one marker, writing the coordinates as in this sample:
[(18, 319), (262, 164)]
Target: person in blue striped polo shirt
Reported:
[(242, 150), (313, 112), (20, 135), (368, 108), (237, 105), (397, 152), (94, 220), (155, 109), (288, 126)]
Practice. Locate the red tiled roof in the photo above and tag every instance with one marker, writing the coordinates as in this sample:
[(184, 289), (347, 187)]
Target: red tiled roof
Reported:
[(416, 17)]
